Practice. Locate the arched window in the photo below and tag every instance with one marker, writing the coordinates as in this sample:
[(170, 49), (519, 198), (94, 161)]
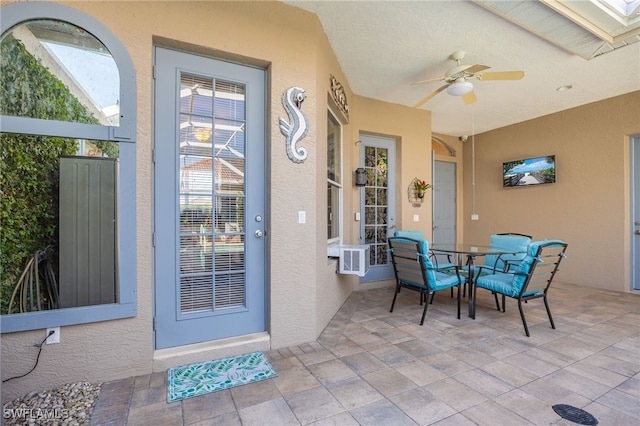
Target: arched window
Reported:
[(67, 170)]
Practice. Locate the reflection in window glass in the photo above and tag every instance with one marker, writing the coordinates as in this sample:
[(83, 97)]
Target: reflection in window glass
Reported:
[(85, 83), (334, 178), (212, 194), (58, 239)]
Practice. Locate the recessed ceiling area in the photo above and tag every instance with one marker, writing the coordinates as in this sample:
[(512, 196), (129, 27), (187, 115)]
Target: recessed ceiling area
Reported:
[(383, 47)]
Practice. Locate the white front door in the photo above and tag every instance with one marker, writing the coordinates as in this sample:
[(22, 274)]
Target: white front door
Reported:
[(209, 199)]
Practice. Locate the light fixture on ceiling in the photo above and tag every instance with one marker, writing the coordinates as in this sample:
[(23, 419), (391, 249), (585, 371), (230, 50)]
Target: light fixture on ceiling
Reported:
[(202, 134), (564, 88), (459, 88)]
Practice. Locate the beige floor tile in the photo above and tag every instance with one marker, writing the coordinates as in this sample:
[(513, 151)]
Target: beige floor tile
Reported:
[(483, 382), (455, 394), (254, 393), (621, 401), (274, 412), (528, 406), (342, 419), (313, 404), (206, 406), (490, 413), (382, 412), (331, 371), (295, 379), (419, 372), (363, 363), (422, 406), (354, 392), (388, 381), (508, 373)]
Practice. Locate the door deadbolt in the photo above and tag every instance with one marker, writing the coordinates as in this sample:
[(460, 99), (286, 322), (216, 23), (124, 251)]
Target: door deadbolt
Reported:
[(259, 233)]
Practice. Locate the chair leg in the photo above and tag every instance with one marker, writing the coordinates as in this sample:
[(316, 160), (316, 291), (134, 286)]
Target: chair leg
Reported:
[(433, 294), (495, 295), (546, 305), (394, 297), (524, 321), (458, 300), (504, 303), (424, 312)]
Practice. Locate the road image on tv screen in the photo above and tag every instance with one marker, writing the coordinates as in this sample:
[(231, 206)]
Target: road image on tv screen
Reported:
[(529, 171)]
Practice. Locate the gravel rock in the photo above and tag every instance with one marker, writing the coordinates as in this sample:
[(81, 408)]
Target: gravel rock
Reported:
[(68, 405)]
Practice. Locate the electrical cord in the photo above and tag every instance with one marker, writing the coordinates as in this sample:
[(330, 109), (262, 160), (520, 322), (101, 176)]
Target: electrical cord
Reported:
[(37, 358)]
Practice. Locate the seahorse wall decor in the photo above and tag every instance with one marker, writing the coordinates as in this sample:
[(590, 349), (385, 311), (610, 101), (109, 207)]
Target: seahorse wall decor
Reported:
[(297, 128)]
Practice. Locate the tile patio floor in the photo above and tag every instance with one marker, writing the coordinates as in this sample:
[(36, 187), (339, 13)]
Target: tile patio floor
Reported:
[(373, 367)]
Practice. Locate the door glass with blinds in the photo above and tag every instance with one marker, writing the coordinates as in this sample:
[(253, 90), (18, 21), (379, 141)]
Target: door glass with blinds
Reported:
[(211, 202), (209, 199)]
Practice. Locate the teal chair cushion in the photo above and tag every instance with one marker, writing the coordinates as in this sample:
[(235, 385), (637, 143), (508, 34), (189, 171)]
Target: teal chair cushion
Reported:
[(499, 282), (516, 243), (415, 235), (510, 284), (438, 280)]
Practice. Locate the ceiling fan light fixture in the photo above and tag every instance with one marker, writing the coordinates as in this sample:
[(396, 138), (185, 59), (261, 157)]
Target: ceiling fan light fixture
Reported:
[(459, 89)]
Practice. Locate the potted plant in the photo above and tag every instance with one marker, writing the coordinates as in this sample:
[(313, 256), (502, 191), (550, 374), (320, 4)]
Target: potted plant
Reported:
[(420, 186)]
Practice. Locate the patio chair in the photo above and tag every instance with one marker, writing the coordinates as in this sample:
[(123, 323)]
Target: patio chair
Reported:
[(415, 271), (417, 235), (531, 280), (441, 266), (507, 262)]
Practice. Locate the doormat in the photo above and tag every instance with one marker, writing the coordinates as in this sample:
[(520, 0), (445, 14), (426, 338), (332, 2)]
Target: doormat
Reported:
[(575, 415), (211, 376)]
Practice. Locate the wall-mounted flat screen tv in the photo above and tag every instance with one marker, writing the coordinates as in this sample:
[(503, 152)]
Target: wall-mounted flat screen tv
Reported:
[(529, 171)]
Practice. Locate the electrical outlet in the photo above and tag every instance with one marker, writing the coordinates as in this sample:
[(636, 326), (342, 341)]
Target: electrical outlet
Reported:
[(302, 217), (475, 217), (55, 337), (416, 218)]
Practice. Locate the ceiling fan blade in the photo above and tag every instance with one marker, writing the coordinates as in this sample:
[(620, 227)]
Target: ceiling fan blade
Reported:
[(426, 81), (429, 97), (469, 98), (476, 68), (500, 75)]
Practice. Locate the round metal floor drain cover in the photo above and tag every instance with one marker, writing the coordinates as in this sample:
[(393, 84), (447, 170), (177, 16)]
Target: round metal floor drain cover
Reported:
[(574, 414)]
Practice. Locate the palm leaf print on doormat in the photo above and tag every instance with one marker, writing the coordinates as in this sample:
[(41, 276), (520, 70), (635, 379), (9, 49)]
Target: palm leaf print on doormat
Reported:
[(211, 376)]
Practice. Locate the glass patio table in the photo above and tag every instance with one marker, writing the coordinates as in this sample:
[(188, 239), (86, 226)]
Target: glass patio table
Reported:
[(470, 252)]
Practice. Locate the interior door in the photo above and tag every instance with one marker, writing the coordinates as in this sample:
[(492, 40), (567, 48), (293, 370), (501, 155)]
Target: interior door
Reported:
[(444, 202), (377, 201), (635, 196), (209, 199)]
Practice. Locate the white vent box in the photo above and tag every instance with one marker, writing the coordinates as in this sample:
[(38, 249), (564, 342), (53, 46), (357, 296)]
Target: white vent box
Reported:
[(354, 260)]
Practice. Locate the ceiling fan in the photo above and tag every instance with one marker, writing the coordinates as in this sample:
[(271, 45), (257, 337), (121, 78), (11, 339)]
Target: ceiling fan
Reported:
[(458, 79)]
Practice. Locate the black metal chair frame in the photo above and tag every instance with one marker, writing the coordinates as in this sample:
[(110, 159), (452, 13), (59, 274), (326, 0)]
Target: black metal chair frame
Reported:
[(410, 269), (541, 272)]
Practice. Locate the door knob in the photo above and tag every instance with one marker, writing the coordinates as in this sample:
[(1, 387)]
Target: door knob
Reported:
[(638, 232), (259, 233)]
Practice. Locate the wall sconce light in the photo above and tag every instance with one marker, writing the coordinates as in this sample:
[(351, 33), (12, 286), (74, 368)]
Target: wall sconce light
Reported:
[(361, 177)]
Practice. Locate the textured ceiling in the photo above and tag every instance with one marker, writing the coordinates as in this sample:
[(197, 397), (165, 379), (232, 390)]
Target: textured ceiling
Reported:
[(384, 46)]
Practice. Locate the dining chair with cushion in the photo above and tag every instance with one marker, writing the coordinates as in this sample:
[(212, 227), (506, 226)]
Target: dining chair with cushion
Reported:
[(415, 271), (507, 262), (530, 280)]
